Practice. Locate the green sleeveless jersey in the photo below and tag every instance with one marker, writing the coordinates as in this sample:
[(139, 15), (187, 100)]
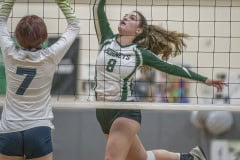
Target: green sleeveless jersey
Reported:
[(116, 65)]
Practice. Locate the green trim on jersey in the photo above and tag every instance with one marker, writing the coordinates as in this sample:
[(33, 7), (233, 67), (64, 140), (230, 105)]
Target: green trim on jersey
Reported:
[(2, 76), (125, 88), (117, 64), (6, 9), (66, 10), (150, 59)]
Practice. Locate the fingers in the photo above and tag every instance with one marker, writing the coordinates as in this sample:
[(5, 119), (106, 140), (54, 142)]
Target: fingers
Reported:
[(220, 85)]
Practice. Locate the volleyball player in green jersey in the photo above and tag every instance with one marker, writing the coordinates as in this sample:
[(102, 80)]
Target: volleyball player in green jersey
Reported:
[(137, 46), (26, 121)]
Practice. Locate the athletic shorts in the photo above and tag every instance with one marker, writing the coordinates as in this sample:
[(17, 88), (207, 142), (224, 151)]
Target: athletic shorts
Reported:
[(31, 143), (106, 117)]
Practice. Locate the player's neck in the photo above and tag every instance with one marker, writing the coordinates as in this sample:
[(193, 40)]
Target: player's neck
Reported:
[(125, 40)]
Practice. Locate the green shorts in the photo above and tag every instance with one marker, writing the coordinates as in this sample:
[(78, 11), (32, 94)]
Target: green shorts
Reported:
[(107, 116)]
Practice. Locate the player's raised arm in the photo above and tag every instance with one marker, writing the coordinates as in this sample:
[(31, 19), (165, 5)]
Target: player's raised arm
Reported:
[(101, 23), (65, 41), (152, 60), (67, 11), (5, 37)]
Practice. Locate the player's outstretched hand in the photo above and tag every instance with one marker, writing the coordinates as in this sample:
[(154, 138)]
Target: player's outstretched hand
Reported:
[(219, 84)]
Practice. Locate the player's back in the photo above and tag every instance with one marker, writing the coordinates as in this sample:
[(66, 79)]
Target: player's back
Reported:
[(29, 78)]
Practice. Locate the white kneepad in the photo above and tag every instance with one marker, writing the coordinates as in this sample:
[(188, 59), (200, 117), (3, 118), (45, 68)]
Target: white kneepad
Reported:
[(150, 155)]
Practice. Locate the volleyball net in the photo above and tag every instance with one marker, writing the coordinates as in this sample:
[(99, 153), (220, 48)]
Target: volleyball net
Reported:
[(212, 50)]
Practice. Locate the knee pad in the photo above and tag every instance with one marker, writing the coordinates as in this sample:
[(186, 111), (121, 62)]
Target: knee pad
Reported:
[(150, 155)]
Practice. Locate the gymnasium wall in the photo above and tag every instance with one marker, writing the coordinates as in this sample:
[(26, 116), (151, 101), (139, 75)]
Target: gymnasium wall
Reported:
[(78, 136)]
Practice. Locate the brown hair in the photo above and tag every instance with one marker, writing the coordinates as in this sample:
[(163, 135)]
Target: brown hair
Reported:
[(160, 41), (31, 32)]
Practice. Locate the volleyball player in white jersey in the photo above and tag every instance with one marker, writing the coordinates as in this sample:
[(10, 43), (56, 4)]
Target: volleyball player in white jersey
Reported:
[(26, 122), (136, 45)]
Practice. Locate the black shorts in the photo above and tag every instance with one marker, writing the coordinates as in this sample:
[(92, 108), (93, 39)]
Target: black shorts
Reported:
[(31, 143), (106, 117)]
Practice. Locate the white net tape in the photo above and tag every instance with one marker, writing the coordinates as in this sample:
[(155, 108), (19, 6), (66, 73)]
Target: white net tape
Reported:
[(68, 103)]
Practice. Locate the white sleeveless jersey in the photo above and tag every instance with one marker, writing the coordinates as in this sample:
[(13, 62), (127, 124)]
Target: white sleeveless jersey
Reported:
[(116, 68), (29, 78)]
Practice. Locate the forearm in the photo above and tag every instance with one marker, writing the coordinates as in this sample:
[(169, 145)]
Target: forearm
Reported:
[(6, 9), (102, 25), (67, 10), (67, 38), (73, 22), (153, 61), (98, 10), (5, 37)]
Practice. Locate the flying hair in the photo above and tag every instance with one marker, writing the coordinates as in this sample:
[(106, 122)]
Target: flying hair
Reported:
[(161, 42)]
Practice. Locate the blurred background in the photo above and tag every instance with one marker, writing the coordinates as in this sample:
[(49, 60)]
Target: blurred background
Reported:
[(212, 50)]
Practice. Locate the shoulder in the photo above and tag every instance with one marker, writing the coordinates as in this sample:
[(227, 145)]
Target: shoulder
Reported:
[(148, 57), (145, 52), (109, 40), (11, 49)]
